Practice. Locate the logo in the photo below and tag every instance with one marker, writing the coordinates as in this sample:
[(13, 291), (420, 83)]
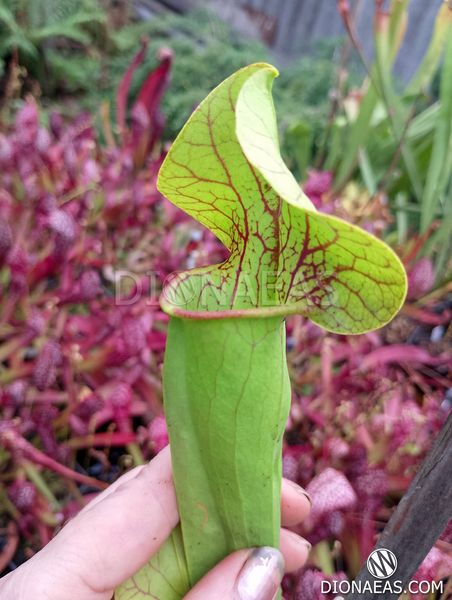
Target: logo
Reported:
[(382, 563)]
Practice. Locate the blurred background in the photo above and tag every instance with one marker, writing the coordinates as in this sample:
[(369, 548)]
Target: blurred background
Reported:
[(91, 95)]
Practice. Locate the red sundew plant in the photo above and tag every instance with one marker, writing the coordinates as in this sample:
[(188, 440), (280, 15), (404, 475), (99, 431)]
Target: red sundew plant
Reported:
[(356, 434), (78, 363), (80, 372)]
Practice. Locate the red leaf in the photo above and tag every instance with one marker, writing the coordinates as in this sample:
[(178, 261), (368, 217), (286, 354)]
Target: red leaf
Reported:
[(14, 441), (146, 109), (401, 353), (155, 84), (123, 89)]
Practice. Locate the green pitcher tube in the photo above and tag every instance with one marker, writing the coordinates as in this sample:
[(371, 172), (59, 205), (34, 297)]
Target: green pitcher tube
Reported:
[(227, 398)]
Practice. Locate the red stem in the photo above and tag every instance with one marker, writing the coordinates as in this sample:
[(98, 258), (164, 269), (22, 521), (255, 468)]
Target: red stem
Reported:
[(15, 442)]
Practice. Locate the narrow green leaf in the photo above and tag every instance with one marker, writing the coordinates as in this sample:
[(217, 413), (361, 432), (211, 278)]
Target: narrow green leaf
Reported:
[(439, 244), (361, 127), (66, 30), (397, 112), (427, 69), (298, 140), (367, 172), (7, 18), (440, 168), (337, 143), (423, 124), (357, 138), (19, 41), (401, 218), (398, 21)]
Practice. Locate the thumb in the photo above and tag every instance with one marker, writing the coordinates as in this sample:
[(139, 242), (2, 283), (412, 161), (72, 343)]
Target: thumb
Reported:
[(244, 575)]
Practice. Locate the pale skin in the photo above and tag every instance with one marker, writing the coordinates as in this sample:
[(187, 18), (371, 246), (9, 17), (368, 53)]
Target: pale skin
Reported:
[(117, 532)]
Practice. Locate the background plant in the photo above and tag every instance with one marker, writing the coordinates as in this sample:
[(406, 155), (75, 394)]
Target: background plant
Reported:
[(75, 206), (57, 43), (206, 50), (394, 139)]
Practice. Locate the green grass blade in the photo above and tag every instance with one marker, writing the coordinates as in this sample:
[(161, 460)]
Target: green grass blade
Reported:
[(427, 69), (298, 141), (396, 111), (360, 129), (358, 134), (439, 172)]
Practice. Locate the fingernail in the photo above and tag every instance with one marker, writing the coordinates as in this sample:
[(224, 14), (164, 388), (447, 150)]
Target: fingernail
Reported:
[(261, 575), (300, 490)]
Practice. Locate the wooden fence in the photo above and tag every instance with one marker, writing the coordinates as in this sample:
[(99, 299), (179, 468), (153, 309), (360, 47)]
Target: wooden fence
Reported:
[(299, 23), (290, 27)]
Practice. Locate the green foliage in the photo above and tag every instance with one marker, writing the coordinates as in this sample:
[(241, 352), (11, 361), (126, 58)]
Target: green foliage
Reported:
[(54, 39), (391, 137), (303, 100), (298, 141), (75, 71), (207, 50), (69, 46), (305, 87), (409, 144)]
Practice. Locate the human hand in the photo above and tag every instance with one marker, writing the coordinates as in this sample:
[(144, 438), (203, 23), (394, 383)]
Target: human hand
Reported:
[(117, 533)]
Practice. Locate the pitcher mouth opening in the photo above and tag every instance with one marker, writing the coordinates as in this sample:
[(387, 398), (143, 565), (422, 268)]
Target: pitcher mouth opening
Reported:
[(207, 293), (246, 313)]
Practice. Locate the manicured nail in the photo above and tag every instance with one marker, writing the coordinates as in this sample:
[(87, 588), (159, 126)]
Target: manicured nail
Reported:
[(261, 575), (300, 490)]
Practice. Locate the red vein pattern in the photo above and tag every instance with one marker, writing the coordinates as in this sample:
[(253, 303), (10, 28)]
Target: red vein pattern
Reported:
[(225, 170)]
